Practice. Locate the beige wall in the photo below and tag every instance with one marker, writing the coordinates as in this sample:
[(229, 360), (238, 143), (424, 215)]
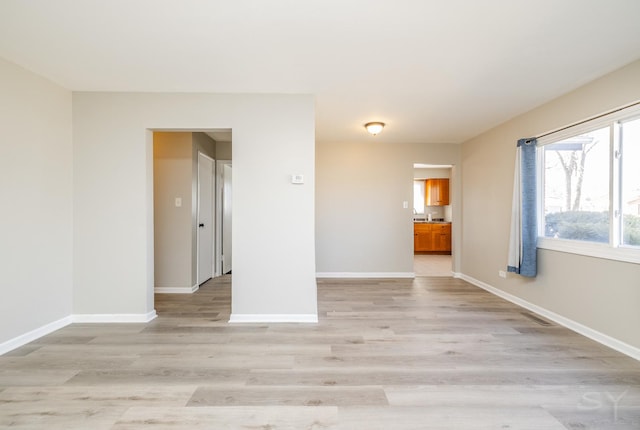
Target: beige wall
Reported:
[(223, 151), (361, 226), (172, 178), (431, 173), (273, 254), (36, 188), (204, 144), (600, 294)]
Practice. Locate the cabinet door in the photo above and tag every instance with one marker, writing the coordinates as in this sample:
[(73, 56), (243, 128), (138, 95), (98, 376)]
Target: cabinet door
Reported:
[(425, 241), (422, 237), (441, 237), (437, 192), (443, 192), (430, 192), (446, 238), (440, 241)]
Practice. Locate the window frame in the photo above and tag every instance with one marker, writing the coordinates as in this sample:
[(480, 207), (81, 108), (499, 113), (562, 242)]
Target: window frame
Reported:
[(614, 250)]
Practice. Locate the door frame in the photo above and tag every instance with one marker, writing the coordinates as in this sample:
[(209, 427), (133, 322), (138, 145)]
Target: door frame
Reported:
[(219, 181)]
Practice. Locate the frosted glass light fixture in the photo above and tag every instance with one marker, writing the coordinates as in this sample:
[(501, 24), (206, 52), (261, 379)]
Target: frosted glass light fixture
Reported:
[(374, 127)]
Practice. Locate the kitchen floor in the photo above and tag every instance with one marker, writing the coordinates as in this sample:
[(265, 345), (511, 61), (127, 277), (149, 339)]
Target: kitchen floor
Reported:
[(432, 265)]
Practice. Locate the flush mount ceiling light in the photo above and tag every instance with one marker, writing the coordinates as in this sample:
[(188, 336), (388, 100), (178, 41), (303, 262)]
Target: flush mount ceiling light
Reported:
[(374, 127)]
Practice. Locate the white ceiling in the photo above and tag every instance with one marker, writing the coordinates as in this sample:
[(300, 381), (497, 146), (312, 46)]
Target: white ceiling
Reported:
[(434, 71)]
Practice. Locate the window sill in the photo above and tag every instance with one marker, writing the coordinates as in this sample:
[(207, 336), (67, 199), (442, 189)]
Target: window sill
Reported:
[(625, 254)]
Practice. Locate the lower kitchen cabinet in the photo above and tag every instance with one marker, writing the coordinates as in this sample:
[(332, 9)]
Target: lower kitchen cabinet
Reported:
[(432, 237), (422, 239)]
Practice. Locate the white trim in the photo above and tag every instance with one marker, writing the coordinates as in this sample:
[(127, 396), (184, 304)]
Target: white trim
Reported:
[(273, 318), (176, 290), (366, 275), (599, 337), (205, 156), (219, 184), (46, 329), (34, 334), (591, 249), (114, 318), (589, 124), (456, 275)]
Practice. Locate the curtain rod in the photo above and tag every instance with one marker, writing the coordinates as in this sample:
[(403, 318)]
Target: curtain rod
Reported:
[(584, 121)]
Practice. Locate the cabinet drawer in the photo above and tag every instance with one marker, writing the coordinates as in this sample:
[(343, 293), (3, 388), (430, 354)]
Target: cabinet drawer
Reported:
[(441, 227), (422, 227)]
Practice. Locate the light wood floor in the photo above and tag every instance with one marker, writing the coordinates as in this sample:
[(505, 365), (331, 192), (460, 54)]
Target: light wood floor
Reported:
[(429, 353), (432, 265)]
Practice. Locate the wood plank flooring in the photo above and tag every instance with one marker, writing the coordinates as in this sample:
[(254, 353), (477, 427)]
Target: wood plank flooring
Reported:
[(432, 265), (429, 353)]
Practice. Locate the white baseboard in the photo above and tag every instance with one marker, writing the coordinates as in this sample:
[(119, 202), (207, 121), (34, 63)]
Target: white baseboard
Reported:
[(365, 275), (176, 290), (114, 318), (599, 337), (273, 318), (35, 334), (46, 329)]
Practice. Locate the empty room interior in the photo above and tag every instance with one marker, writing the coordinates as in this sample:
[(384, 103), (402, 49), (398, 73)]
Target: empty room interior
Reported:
[(320, 215)]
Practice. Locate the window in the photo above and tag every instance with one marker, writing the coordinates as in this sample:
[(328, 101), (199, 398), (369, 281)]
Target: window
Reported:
[(576, 187), (590, 187), (630, 182), (418, 197)]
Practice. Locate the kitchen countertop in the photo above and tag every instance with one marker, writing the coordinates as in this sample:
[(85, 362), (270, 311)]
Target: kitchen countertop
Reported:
[(432, 222)]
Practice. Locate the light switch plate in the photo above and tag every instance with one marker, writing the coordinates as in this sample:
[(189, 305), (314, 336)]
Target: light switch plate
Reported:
[(297, 179), (178, 202)]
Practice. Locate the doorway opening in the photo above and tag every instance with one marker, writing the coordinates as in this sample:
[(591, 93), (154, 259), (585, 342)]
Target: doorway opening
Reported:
[(186, 203), (432, 220)]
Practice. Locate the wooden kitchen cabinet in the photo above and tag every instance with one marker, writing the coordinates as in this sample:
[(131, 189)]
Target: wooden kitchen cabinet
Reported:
[(436, 192), (441, 237), (432, 237), (422, 237)]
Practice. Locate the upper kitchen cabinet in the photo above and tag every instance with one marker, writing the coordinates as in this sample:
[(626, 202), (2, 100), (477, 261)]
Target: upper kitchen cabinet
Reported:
[(437, 192)]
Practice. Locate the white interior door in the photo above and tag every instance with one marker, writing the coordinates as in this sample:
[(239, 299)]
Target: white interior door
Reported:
[(226, 218), (205, 218)]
